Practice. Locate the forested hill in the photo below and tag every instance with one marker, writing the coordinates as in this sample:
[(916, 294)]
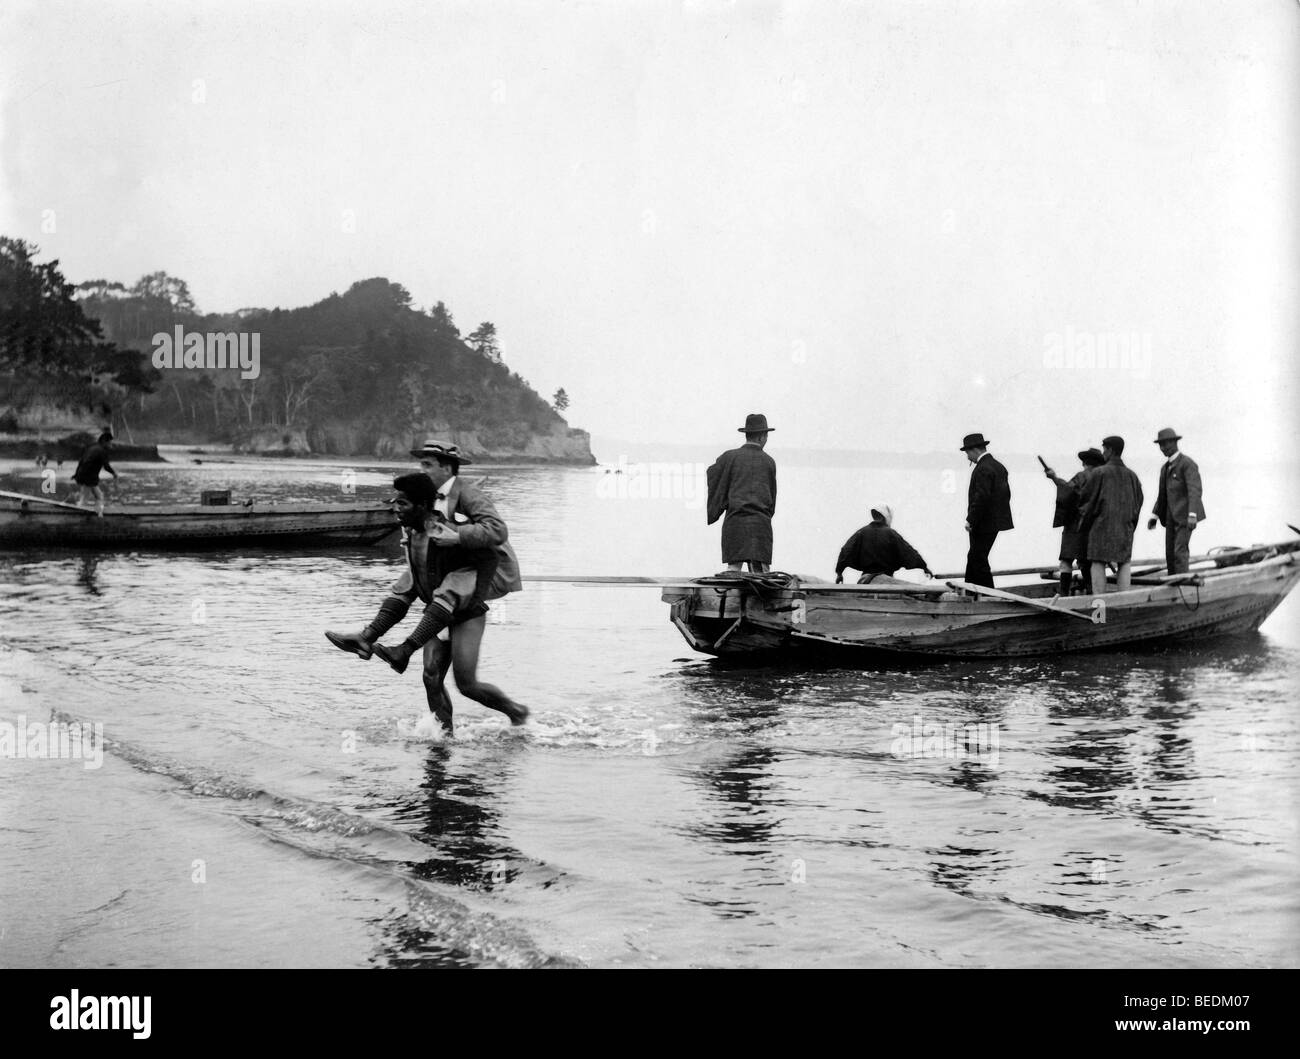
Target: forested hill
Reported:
[(359, 373)]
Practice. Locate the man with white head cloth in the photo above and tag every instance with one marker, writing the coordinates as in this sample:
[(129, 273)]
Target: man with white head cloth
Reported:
[(877, 549)]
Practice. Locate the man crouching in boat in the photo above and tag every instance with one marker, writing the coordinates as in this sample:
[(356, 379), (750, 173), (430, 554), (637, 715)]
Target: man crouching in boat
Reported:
[(451, 567), (877, 549)]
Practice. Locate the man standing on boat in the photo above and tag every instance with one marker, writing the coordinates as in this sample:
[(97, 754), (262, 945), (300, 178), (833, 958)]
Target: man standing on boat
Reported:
[(1068, 496), (742, 485), (878, 550), (1108, 516), (1178, 503), (988, 508), (451, 536), (94, 460)]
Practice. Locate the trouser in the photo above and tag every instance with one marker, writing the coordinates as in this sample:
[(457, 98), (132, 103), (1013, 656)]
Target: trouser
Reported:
[(1178, 544), (977, 559)]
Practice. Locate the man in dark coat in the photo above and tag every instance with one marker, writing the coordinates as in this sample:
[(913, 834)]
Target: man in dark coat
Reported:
[(1178, 503), (742, 485), (1068, 496), (452, 537), (93, 460), (988, 509), (1108, 516), (877, 549)]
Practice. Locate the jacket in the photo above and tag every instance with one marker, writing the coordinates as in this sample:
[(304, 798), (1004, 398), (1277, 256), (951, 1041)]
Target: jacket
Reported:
[(1180, 492), (988, 507)]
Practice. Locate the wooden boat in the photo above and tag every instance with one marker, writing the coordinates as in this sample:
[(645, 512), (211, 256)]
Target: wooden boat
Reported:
[(737, 614), (30, 521)]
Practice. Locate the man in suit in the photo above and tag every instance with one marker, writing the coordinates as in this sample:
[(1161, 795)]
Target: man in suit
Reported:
[(1108, 516), (1178, 503), (742, 485), (455, 543), (988, 508)]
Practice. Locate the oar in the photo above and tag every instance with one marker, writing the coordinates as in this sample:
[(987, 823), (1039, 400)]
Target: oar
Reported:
[(48, 503), (1009, 597)]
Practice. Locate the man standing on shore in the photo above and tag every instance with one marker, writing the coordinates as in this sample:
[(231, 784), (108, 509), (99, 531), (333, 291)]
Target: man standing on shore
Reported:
[(742, 485), (988, 508), (1108, 516), (1178, 503), (94, 460)]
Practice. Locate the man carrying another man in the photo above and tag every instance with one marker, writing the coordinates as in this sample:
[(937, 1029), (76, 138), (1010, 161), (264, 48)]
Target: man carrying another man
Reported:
[(456, 560), (1178, 503)]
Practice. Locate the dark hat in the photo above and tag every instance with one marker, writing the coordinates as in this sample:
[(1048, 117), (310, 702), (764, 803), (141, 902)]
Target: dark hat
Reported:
[(107, 435), (418, 487), (755, 423), (1113, 442), (1168, 434), (1092, 456), (973, 441), (437, 450)]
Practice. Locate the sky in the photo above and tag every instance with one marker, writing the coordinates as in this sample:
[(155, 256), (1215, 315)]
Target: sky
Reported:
[(883, 225)]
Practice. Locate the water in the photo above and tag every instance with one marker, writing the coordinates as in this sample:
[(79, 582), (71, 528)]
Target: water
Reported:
[(266, 800)]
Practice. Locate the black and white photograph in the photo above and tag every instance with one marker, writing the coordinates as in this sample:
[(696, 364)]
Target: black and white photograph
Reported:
[(712, 484)]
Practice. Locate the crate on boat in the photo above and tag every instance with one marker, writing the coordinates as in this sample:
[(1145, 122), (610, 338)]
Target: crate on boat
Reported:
[(215, 498)]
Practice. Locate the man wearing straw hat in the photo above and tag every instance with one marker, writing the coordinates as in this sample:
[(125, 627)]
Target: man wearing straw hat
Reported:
[(878, 550), (1178, 503), (742, 485)]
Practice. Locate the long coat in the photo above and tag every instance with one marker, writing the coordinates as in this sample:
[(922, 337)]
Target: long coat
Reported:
[(1109, 512), (1180, 492), (988, 507), (742, 485)]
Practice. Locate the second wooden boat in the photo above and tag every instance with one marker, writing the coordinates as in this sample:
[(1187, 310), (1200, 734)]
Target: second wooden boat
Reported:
[(31, 522)]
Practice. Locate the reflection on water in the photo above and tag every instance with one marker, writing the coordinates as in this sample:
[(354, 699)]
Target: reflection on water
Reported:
[(670, 809)]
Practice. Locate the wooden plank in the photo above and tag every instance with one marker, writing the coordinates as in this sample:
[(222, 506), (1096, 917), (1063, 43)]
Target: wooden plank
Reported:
[(48, 503), (1010, 597)]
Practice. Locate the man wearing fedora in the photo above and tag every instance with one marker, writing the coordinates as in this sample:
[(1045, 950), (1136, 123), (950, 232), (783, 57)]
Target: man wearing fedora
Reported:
[(1068, 496), (1108, 516), (457, 559), (742, 485), (1178, 502), (988, 508)]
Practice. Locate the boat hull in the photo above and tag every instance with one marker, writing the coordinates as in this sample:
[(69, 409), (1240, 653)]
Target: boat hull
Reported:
[(738, 619), (33, 525)]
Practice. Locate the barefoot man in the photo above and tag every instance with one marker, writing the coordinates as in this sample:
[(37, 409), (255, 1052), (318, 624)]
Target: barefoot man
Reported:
[(454, 542)]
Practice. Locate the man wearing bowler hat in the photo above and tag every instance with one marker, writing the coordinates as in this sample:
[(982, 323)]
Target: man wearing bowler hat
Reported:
[(1068, 496), (1178, 503), (988, 508), (742, 485), (455, 544)]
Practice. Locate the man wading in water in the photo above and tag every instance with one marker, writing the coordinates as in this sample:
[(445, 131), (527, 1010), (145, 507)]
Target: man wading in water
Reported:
[(453, 568)]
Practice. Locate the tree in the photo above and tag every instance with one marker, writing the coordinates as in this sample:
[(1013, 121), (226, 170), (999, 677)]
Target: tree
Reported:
[(560, 400), (161, 287), (484, 341), (46, 335)]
